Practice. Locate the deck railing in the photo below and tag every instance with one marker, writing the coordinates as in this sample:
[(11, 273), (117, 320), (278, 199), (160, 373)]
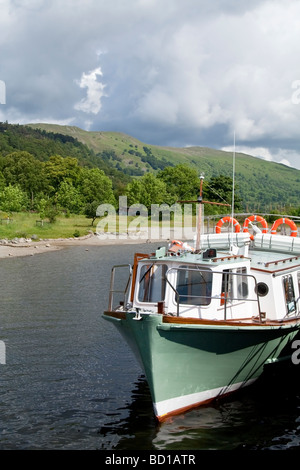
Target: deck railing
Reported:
[(225, 297), (124, 291)]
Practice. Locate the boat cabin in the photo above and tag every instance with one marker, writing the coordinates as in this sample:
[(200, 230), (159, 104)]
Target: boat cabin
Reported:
[(226, 280), (275, 262), (193, 285)]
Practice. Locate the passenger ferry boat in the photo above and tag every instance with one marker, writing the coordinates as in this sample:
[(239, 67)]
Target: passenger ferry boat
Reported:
[(204, 321)]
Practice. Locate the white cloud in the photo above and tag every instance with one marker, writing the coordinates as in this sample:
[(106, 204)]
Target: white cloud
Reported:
[(284, 156), (229, 68), (13, 115), (95, 92)]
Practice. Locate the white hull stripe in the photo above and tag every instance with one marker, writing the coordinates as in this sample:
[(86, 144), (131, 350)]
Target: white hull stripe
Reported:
[(172, 405)]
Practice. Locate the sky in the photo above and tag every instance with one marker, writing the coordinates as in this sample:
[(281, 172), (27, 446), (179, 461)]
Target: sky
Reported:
[(167, 72)]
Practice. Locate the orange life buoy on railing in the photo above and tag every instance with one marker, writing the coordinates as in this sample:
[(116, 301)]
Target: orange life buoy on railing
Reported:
[(289, 222), (255, 218), (177, 245), (236, 225)]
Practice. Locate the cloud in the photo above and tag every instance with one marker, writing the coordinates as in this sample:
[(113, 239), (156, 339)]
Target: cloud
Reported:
[(95, 92), (277, 155), (171, 72), (29, 4)]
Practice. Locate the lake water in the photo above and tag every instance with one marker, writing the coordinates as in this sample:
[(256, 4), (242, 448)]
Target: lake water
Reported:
[(70, 382)]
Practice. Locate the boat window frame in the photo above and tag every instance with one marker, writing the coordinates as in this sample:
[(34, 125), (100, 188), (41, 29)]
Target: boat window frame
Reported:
[(218, 297), (234, 285), (262, 289), (242, 285), (148, 298), (194, 269), (289, 293), (227, 289)]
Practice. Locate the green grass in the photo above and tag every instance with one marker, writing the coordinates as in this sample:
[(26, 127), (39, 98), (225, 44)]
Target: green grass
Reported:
[(24, 225)]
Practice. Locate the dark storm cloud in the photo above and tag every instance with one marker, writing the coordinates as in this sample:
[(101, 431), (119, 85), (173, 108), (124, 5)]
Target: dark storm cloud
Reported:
[(169, 73)]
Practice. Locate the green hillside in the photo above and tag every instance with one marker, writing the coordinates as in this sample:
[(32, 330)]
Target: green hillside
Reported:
[(263, 185)]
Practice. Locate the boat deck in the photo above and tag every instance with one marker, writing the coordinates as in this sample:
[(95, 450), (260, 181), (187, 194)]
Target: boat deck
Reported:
[(273, 262), (254, 321)]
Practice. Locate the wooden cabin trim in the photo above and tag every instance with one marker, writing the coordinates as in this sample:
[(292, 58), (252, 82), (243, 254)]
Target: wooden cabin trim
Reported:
[(237, 321), (137, 258), (121, 315)]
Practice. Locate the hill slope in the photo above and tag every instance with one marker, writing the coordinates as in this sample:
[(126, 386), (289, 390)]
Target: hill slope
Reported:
[(42, 144), (263, 185)]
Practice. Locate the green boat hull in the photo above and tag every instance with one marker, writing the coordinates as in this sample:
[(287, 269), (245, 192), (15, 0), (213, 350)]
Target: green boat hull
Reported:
[(187, 365)]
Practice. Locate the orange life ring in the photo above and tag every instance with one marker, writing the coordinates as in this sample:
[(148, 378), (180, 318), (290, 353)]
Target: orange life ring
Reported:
[(236, 225), (177, 245), (289, 222), (255, 218)]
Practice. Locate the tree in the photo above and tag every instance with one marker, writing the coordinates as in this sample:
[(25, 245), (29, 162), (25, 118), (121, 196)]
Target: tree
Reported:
[(96, 186), (69, 197), (61, 169), (219, 189), (146, 191), (90, 211), (13, 199), (42, 205), (182, 182), (24, 169), (2, 181)]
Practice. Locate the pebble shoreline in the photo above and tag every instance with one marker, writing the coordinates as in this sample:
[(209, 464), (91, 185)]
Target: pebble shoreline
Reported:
[(30, 246)]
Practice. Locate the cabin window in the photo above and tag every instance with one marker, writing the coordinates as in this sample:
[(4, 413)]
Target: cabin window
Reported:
[(194, 286), (227, 286), (152, 283), (242, 283), (289, 293), (262, 289)]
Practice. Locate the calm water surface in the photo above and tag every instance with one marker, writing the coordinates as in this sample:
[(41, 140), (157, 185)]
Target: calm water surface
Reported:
[(70, 382)]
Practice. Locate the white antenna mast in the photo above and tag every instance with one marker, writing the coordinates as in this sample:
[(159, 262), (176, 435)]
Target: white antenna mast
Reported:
[(233, 176), (233, 185)]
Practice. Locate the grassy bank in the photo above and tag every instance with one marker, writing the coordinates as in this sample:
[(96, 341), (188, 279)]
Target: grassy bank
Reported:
[(27, 225)]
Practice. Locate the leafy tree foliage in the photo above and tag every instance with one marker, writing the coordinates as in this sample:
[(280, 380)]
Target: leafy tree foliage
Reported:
[(182, 183), (68, 175), (13, 199), (61, 181), (147, 190), (90, 210), (23, 169), (59, 169), (69, 197), (219, 189), (96, 186)]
